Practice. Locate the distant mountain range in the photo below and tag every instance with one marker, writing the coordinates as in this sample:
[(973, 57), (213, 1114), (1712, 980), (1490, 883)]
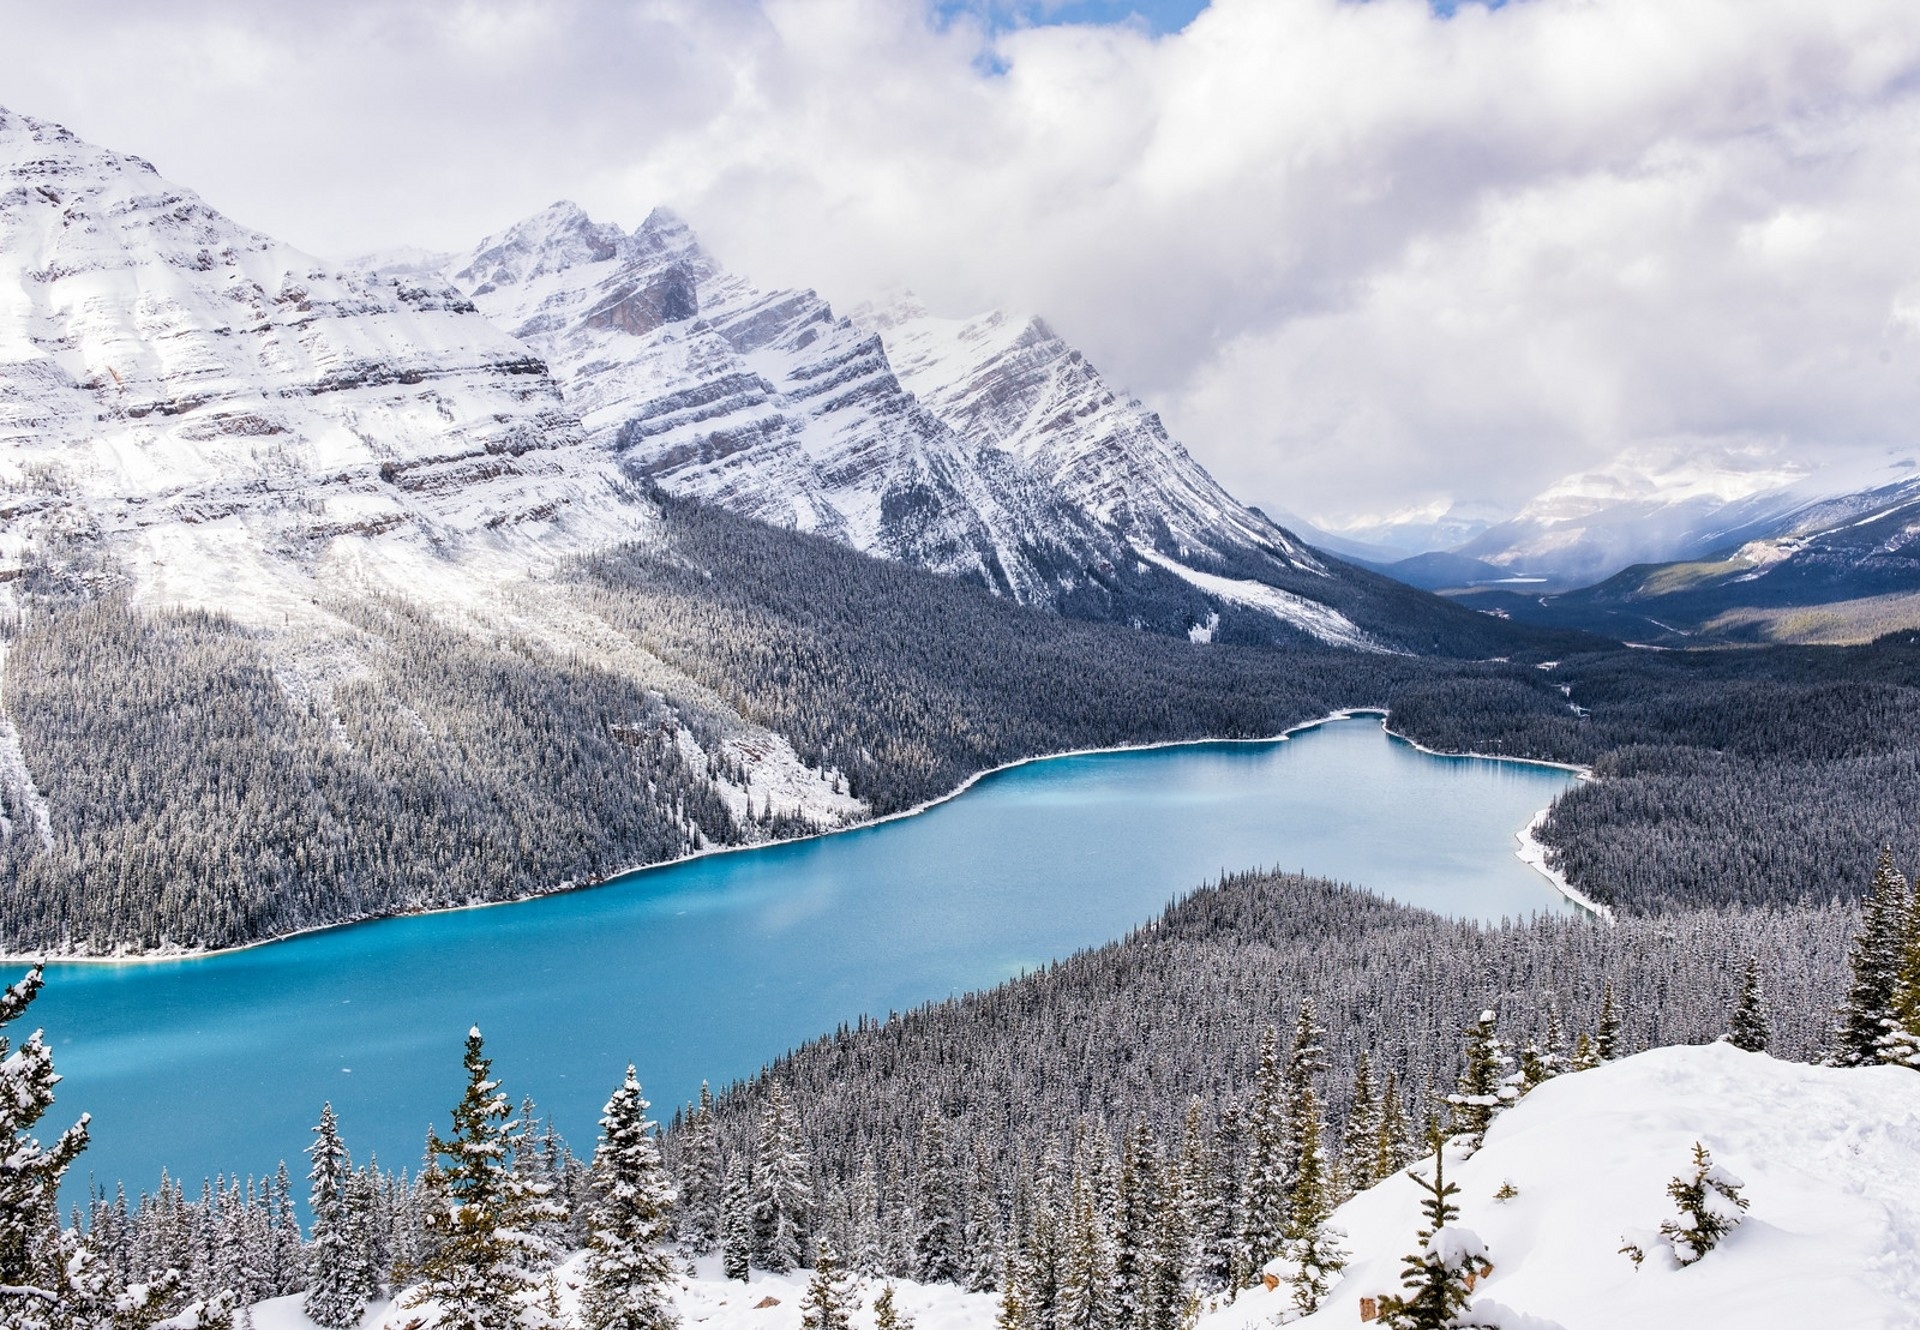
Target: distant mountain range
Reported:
[(1677, 546)]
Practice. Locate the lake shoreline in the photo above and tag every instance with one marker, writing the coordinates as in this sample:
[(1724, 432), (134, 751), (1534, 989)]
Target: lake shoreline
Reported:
[(164, 956)]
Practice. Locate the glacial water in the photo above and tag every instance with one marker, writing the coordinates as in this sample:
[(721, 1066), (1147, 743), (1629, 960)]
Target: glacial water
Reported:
[(707, 969)]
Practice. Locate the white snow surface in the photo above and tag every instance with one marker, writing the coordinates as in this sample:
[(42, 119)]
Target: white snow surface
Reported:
[(707, 1300), (1831, 1159), (1310, 616)]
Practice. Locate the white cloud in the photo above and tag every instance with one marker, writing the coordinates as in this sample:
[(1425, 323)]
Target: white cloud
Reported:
[(1361, 255)]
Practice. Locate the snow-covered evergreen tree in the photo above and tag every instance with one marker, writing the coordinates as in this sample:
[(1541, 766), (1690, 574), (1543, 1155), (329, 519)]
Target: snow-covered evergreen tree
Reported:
[(1205, 1219), (35, 1255), (936, 1236), (1607, 1043), (475, 1270), (1263, 1190), (1312, 1249), (829, 1297), (1393, 1149), (701, 1180), (981, 1237), (1486, 1083), (338, 1291), (1437, 1277), (1876, 960), (1711, 1207), (1306, 1061), (1749, 1028), (736, 1221), (629, 1272), (1087, 1297), (1358, 1140), (886, 1311), (782, 1189)]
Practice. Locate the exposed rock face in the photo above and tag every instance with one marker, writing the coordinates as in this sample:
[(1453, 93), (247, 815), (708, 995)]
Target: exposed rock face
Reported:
[(1013, 384), (220, 407), (768, 402)]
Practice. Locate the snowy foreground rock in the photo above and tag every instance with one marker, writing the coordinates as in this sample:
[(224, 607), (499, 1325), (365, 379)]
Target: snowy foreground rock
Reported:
[(1830, 1160)]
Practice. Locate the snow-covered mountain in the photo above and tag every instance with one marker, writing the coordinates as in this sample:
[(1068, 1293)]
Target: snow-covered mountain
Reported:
[(986, 449), (767, 402), (230, 418)]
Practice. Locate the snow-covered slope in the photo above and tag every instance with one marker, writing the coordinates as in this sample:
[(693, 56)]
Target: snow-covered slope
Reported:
[(229, 418), (1830, 1159), (985, 449), (767, 402)]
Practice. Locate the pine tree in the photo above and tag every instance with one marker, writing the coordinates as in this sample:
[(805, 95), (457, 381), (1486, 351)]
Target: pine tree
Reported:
[(1900, 1045), (936, 1239), (473, 1270), (700, 1178), (1306, 1061), (829, 1293), (1207, 1260), (1135, 1229), (865, 1242), (736, 1214), (1312, 1246), (1437, 1277), (981, 1237), (1749, 1028), (629, 1273), (1263, 1193), (35, 1256), (1876, 961), (1358, 1142), (338, 1292), (888, 1316), (1485, 1087), (782, 1189), (1393, 1149), (1087, 1260), (1711, 1207), (1606, 1038)]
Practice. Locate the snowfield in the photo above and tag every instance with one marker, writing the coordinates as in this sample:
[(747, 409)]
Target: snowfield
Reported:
[(1830, 1160)]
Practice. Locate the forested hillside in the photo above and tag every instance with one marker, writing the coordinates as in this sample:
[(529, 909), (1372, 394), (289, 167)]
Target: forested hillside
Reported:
[(1730, 776), (187, 792)]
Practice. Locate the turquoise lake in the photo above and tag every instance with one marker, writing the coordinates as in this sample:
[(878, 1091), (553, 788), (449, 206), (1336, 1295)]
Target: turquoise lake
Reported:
[(709, 968)]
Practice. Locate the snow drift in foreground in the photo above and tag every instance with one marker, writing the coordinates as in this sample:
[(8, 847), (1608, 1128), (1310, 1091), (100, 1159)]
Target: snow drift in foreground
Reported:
[(1830, 1159), (1831, 1162)]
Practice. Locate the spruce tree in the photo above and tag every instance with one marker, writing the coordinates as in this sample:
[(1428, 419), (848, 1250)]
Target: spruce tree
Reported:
[(1206, 1230), (474, 1269), (1263, 1191), (1485, 1087), (936, 1238), (629, 1272), (782, 1188), (1087, 1259), (981, 1237), (1876, 962), (36, 1258), (736, 1216), (829, 1295), (1306, 1060), (1711, 1207), (1749, 1027), (1606, 1039), (887, 1314), (700, 1178), (1393, 1150), (1312, 1245), (1436, 1277), (1358, 1149), (1900, 1045), (338, 1292)]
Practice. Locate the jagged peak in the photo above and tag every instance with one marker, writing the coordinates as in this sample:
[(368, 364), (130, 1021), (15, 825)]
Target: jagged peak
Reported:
[(21, 134)]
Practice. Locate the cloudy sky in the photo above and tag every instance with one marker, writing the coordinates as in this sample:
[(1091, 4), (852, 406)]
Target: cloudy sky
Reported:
[(1362, 254)]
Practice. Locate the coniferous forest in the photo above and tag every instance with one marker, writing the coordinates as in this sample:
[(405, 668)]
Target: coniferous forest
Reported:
[(188, 796), (1101, 1143)]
